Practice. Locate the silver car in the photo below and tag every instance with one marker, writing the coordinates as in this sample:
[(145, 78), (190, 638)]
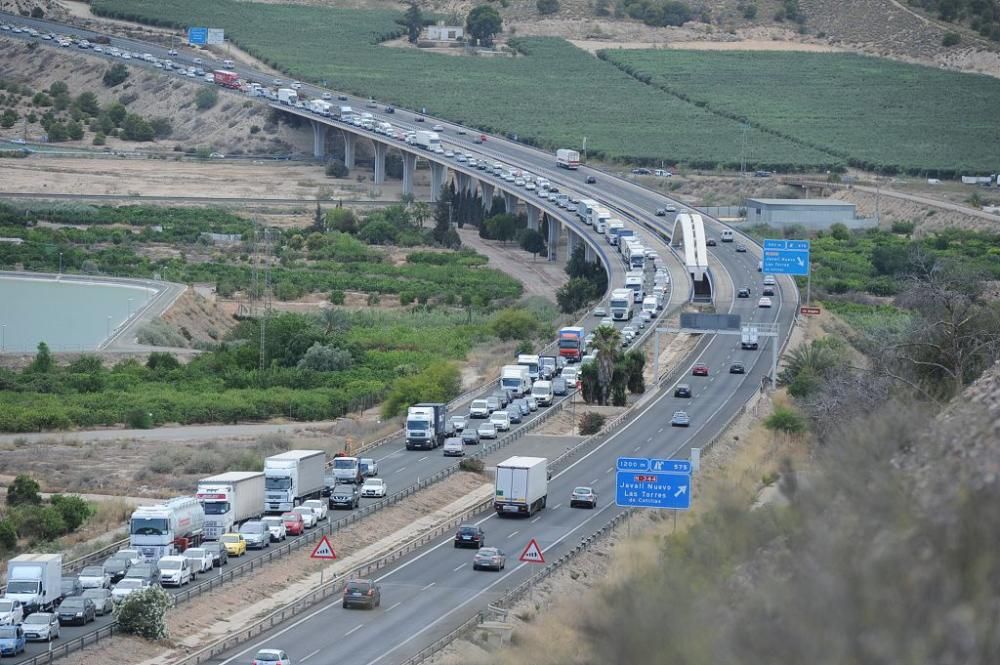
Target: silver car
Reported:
[(489, 558), (487, 431), (454, 447), (102, 600)]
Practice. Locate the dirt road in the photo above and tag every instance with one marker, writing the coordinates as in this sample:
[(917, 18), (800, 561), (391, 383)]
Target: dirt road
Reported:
[(539, 276)]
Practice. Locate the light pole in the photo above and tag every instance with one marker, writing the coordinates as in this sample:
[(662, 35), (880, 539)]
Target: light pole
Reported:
[(60, 263)]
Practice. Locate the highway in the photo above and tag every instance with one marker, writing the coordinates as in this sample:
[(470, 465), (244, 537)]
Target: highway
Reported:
[(431, 592)]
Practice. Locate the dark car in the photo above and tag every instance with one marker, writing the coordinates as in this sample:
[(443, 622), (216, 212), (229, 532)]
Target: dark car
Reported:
[(469, 535), (710, 242), (77, 609), (583, 496), (220, 557), (345, 495), (489, 558), (680, 419), (661, 212), (116, 567), (559, 386), (102, 600), (502, 397), (768, 291), (700, 370), (342, 98), (144, 571), (494, 403), (743, 293), (741, 249), (641, 171), (418, 118), (70, 586), (470, 436), (737, 368), (591, 180), (682, 390), (390, 109), (362, 593)]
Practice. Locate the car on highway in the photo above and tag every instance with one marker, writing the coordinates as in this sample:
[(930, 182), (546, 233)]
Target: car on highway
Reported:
[(256, 534), (600, 311), (711, 242), (470, 535), (521, 404), (172, 52), (514, 414), (480, 408), (345, 495), (500, 420), (682, 390), (437, 128), (12, 640), (489, 558), (201, 560), (309, 518), (494, 403), (700, 369), (375, 488), (220, 556), (680, 419), (532, 403), (319, 507), (737, 368), (764, 302), (11, 611), (116, 566), (661, 212), (503, 397), (175, 570), (143, 571), (769, 280), (741, 249), (583, 496), (275, 528), (271, 657), (362, 593), (294, 524), (767, 291), (453, 447), (591, 180), (458, 422), (487, 431), (235, 543), (103, 601), (571, 374), (128, 586), (70, 586), (41, 627), (77, 610), (607, 321), (418, 118), (94, 577), (743, 293), (470, 436)]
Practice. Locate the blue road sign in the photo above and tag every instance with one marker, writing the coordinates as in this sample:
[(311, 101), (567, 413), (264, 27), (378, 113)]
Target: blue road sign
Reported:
[(646, 489), (197, 36), (633, 464), (786, 257), (671, 465)]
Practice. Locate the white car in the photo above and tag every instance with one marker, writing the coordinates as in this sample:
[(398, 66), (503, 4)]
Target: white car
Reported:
[(437, 128), (133, 556), (769, 280), (487, 431), (276, 527), (128, 586), (308, 516), (500, 420), (531, 187), (374, 487), (318, 507), (369, 466), (519, 182), (200, 558), (764, 302), (94, 577), (608, 321), (11, 612), (172, 52), (571, 374), (41, 627), (449, 154)]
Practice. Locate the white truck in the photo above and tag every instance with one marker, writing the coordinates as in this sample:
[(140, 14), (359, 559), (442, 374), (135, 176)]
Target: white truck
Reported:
[(635, 284), (427, 140), (635, 255), (567, 159), (292, 477), (599, 218), (522, 486), (166, 528), (516, 379), (584, 208), (319, 107), (229, 500), (621, 304), (427, 425), (531, 362), (660, 294), (748, 338), (649, 304), (614, 226), (345, 113), (287, 96), (35, 580)]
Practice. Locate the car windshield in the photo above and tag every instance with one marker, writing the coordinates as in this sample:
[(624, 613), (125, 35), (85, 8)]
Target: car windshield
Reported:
[(467, 530), (8, 632), (230, 539), (271, 521), (295, 517), (6, 605), (358, 586), (581, 490), (170, 565), (344, 463), (73, 602), (149, 526), (253, 527), (212, 547), (129, 584), (195, 553), (374, 481), (38, 619), (267, 657), (488, 551), (94, 593)]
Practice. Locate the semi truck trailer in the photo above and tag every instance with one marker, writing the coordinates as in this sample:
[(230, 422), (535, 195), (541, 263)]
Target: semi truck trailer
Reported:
[(229, 500), (292, 477)]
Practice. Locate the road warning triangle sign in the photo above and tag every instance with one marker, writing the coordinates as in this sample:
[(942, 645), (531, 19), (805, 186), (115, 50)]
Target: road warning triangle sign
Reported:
[(532, 553), (323, 550)]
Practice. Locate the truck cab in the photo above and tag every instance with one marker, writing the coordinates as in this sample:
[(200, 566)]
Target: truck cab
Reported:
[(727, 236), (347, 470), (621, 304), (531, 362)]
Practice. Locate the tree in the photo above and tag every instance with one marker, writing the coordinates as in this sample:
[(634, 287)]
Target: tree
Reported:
[(206, 98), (141, 613), (634, 364), (162, 128), (532, 241), (483, 23), (135, 128), (57, 132), (58, 88), (502, 227), (413, 21), (115, 75), (88, 104), (514, 323), (547, 6), (336, 169), (74, 130), (73, 509), (326, 358), (607, 342), (442, 214), (840, 232), (161, 361), (37, 12), (24, 491), (8, 118), (116, 114), (8, 536), (343, 220), (42, 361), (574, 294), (421, 212)]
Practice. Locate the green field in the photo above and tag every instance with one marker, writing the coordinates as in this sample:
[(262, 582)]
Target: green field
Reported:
[(868, 111), (553, 95)]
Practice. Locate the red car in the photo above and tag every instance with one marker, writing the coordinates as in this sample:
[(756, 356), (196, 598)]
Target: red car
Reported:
[(699, 370), (294, 525)]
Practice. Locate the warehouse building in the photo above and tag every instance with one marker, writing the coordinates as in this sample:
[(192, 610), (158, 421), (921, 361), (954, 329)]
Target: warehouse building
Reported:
[(814, 214)]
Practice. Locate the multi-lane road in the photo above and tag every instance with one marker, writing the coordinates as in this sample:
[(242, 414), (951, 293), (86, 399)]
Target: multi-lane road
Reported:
[(434, 590)]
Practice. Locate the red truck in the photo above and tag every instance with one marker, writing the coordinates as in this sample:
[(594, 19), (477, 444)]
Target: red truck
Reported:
[(226, 78), (572, 343)]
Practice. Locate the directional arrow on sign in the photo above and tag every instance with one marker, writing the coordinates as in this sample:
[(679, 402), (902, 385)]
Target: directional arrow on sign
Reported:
[(681, 490)]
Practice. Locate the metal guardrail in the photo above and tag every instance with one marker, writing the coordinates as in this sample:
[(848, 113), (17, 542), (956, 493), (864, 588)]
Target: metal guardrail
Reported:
[(59, 650)]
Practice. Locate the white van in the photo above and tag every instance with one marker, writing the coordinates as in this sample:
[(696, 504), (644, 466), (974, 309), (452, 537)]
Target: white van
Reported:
[(175, 570), (227, 63), (542, 392), (727, 236), (479, 408), (500, 420)]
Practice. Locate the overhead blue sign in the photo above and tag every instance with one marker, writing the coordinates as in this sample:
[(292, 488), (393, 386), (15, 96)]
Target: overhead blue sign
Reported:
[(786, 257), (197, 36), (653, 483)]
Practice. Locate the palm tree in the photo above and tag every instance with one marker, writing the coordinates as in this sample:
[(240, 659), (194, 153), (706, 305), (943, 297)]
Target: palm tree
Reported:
[(607, 342), (421, 211)]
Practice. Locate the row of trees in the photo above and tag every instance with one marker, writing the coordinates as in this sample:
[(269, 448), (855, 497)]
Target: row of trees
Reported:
[(614, 373), (28, 516), (588, 282)]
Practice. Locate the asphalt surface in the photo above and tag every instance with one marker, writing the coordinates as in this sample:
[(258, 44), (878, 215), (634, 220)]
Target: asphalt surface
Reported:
[(429, 593)]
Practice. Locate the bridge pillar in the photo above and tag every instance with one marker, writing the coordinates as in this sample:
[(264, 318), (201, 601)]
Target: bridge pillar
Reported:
[(380, 152), (319, 139), (461, 182), (589, 254), (486, 189), (571, 241), (349, 140), (510, 202), (409, 167), (438, 172), (532, 217), (554, 231)]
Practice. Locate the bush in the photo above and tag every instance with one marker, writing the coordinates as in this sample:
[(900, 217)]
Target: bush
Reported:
[(951, 39), (23, 491), (785, 420), (336, 169), (136, 128), (99, 139), (513, 323), (591, 423), (73, 509), (206, 98), (141, 613), (8, 536), (139, 419), (115, 75), (161, 127), (547, 6), (472, 464), (903, 228), (323, 358), (337, 297)]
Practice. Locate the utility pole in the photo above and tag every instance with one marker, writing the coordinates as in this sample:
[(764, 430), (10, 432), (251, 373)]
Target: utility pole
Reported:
[(744, 146)]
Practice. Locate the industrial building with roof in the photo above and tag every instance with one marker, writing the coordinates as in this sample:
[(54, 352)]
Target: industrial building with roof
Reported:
[(814, 214)]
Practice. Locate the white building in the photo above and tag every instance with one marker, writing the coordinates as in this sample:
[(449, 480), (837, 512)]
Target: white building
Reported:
[(445, 33)]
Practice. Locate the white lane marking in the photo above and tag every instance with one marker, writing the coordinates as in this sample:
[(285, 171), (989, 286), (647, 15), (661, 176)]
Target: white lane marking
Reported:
[(423, 458), (392, 454), (458, 567), (513, 534), (355, 629), (392, 607), (428, 586), (401, 469), (305, 658), (594, 481), (609, 470), (659, 431), (636, 449), (649, 440), (536, 519), (556, 506)]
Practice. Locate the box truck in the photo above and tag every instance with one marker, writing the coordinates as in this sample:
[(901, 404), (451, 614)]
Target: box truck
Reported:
[(522, 486), (426, 425), (614, 226), (584, 209), (635, 284), (287, 96), (427, 140), (35, 580), (226, 79), (166, 528), (621, 304), (292, 477), (572, 343), (567, 159), (531, 362), (229, 500), (749, 338), (516, 379)]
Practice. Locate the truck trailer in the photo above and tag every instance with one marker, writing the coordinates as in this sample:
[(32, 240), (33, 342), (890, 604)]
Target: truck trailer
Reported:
[(567, 159), (226, 79), (229, 500), (427, 140), (572, 343), (287, 96), (522, 486), (584, 208), (749, 338), (531, 362), (292, 477), (426, 425), (621, 304), (35, 580), (166, 528), (516, 379)]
